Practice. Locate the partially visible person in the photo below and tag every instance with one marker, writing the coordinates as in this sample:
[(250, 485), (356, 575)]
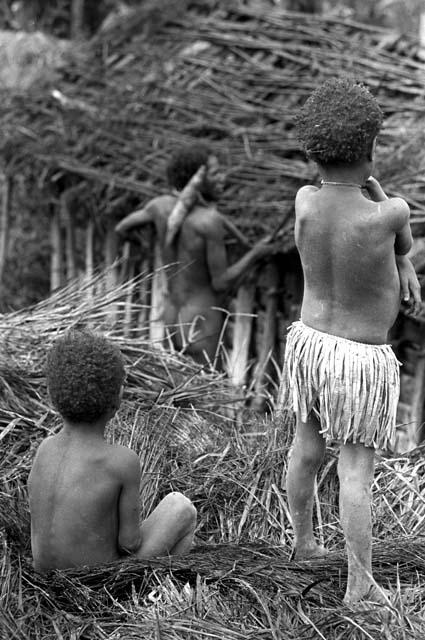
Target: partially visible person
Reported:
[(198, 275), (341, 377), (84, 492)]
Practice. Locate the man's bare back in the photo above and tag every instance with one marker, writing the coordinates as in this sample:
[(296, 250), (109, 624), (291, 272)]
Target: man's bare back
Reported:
[(198, 276), (347, 248), (195, 263)]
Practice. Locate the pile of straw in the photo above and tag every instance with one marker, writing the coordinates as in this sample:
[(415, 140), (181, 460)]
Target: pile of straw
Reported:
[(238, 582), (232, 73)]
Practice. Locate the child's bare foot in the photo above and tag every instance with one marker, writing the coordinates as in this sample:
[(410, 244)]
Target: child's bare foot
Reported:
[(310, 551), (371, 595)]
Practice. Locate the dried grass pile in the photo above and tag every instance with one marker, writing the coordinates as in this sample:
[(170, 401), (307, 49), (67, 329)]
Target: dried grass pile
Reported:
[(230, 72), (238, 582)]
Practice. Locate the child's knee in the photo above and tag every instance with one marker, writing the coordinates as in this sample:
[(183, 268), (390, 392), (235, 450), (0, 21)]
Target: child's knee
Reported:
[(183, 507)]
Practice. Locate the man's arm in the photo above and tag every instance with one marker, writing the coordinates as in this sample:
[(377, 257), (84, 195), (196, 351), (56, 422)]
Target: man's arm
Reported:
[(222, 276), (136, 219), (128, 506)]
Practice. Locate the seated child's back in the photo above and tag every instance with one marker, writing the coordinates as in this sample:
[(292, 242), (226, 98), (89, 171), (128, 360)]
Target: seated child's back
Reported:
[(84, 492)]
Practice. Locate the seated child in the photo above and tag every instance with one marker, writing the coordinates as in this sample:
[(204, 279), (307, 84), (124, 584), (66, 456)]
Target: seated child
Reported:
[(84, 492)]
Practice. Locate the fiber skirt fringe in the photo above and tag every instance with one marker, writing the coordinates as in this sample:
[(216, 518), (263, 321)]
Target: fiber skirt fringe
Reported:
[(353, 388)]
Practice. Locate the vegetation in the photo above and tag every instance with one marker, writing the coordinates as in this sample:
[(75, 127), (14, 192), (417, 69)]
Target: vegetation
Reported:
[(93, 142), (192, 435)]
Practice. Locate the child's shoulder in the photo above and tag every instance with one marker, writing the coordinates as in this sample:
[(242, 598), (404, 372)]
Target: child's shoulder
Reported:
[(123, 460), (303, 199), (306, 190), (396, 212), (304, 194)]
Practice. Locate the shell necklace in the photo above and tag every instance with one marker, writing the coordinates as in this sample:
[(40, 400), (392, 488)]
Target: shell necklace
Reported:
[(341, 184)]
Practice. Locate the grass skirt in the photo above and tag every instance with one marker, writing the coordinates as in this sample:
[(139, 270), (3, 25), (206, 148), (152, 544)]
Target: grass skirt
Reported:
[(353, 388)]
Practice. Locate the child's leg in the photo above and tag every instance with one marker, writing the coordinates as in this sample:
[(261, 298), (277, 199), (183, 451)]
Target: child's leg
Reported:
[(169, 529), (305, 459), (355, 471)]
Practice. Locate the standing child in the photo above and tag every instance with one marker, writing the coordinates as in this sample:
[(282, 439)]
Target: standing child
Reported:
[(84, 492), (341, 376)]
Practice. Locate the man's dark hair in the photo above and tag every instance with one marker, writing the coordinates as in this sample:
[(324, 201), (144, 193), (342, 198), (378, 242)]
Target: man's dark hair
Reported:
[(85, 372), (185, 162), (338, 122)]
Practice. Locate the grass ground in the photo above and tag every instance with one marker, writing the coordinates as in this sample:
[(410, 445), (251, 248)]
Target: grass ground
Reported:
[(239, 581)]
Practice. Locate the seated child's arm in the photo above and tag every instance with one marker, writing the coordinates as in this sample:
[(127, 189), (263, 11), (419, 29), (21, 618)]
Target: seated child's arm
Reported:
[(129, 539)]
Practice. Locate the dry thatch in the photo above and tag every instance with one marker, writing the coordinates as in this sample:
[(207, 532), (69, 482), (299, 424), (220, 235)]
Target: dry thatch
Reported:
[(228, 72), (238, 582), (29, 58)]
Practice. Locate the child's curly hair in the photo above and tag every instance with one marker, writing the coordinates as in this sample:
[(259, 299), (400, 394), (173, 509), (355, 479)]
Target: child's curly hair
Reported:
[(84, 373), (185, 162), (338, 122)]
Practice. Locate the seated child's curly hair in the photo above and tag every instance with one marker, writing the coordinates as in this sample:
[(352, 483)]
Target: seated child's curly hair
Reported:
[(185, 162), (85, 373), (338, 122)]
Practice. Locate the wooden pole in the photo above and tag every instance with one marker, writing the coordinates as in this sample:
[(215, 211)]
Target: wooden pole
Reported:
[(239, 355), (158, 293), (89, 262), (128, 301), (112, 275), (77, 19), (110, 258), (56, 251), (268, 338), (6, 196), (143, 317), (71, 270), (415, 429)]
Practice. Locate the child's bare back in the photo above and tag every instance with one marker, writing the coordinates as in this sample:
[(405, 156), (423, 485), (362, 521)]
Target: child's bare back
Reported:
[(76, 487), (346, 244), (84, 492)]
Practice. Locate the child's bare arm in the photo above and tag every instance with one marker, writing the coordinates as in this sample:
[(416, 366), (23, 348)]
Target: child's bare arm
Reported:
[(409, 284), (128, 507)]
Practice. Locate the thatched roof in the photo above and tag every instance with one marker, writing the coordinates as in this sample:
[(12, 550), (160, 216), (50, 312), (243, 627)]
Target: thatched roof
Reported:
[(29, 58), (229, 72)]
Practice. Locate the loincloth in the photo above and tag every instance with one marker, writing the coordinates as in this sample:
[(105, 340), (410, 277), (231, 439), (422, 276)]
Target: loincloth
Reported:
[(353, 388)]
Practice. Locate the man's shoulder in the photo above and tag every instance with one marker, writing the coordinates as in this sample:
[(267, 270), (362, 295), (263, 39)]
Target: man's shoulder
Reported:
[(205, 219), (163, 203)]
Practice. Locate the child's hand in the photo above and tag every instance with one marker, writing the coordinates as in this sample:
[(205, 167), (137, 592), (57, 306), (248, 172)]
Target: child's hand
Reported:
[(410, 288), (374, 189)]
